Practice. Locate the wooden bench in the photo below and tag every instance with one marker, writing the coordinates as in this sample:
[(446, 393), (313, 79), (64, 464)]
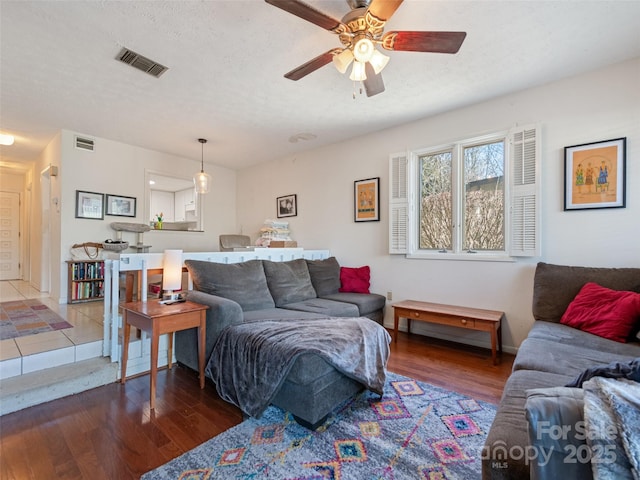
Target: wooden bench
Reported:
[(454, 316)]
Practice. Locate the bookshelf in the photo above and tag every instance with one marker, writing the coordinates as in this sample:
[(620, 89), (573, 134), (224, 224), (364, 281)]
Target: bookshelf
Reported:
[(86, 280)]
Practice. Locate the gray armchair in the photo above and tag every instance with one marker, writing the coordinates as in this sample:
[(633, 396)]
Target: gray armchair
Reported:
[(230, 241)]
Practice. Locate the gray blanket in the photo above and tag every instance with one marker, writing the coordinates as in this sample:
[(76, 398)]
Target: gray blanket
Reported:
[(250, 361), (612, 421)]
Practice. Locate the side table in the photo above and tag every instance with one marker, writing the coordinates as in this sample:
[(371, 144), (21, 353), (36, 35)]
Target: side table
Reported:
[(157, 319)]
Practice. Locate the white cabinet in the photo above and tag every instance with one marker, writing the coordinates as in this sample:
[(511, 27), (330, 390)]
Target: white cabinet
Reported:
[(190, 200), (162, 202), (184, 202)]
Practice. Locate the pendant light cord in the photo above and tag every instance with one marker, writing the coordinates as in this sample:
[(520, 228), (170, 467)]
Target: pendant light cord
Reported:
[(202, 142)]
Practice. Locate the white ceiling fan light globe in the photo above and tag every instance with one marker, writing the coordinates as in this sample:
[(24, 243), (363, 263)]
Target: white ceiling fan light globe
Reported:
[(343, 60), (363, 50), (378, 61), (358, 73)]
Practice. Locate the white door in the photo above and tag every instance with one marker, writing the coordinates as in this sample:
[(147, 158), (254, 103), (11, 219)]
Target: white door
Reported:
[(9, 236)]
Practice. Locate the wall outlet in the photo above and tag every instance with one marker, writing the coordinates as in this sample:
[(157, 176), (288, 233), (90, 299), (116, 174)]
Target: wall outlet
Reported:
[(389, 296)]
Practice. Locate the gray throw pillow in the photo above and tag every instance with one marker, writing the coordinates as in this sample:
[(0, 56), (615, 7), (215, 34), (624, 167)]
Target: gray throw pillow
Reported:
[(244, 283), (325, 275), (289, 282)]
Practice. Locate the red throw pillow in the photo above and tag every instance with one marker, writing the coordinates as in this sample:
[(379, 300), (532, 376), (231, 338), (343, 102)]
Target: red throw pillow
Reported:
[(604, 312), (354, 280)]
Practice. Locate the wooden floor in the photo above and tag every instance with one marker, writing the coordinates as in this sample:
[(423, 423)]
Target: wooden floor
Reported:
[(109, 432)]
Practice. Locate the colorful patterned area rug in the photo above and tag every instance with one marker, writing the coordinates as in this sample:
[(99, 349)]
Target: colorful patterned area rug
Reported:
[(415, 431), (28, 317)]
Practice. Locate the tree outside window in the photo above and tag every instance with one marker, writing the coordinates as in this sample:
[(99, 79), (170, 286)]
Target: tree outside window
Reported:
[(480, 201)]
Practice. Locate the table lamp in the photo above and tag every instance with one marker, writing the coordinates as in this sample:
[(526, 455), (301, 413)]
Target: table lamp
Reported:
[(172, 274)]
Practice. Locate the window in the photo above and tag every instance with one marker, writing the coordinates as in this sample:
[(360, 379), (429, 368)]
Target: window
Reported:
[(474, 198)]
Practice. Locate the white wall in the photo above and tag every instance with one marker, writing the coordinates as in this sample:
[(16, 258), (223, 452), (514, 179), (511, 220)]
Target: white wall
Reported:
[(119, 169), (600, 105), (44, 221)]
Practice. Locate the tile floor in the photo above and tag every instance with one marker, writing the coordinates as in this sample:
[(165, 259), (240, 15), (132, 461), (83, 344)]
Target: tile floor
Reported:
[(44, 350)]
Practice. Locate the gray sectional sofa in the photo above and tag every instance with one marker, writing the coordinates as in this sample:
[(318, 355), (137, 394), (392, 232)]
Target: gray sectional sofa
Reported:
[(265, 290), (552, 355)]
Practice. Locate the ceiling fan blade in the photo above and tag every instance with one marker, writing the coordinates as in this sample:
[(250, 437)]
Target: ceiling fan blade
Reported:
[(373, 85), (383, 9), (312, 65), (437, 42), (308, 13)]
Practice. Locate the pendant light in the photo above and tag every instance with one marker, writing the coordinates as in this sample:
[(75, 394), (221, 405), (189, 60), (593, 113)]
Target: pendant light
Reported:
[(201, 180)]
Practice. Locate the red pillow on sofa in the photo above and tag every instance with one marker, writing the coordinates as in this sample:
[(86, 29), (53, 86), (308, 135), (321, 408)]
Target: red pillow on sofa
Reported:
[(355, 280), (604, 312)]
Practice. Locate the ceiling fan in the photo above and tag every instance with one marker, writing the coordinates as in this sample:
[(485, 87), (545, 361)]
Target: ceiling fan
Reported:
[(360, 31)]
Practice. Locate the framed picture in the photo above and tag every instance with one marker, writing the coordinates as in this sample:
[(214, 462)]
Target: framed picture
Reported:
[(287, 206), (366, 196), (89, 205), (594, 175), (119, 206)]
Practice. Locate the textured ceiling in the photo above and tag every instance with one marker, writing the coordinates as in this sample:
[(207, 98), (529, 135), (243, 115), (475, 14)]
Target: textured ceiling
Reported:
[(226, 63)]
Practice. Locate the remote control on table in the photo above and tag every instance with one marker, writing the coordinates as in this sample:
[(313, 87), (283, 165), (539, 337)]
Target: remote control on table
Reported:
[(171, 302)]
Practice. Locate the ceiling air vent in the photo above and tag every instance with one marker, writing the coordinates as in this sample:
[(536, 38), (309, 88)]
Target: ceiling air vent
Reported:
[(141, 63), (85, 144)]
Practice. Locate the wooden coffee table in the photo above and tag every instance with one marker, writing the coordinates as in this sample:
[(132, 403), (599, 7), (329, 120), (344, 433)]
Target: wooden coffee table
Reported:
[(158, 319), (454, 316)]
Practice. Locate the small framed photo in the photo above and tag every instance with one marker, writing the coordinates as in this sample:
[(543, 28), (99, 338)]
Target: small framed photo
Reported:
[(366, 196), (595, 175), (287, 206), (89, 205), (120, 206)]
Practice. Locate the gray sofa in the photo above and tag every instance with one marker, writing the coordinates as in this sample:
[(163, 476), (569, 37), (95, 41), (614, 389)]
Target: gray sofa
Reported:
[(552, 355), (266, 290)]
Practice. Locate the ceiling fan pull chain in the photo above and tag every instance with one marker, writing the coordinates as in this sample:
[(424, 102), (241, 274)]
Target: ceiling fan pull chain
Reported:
[(357, 89)]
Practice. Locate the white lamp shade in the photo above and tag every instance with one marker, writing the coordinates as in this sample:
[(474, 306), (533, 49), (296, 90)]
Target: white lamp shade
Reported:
[(357, 72), (343, 60), (202, 182), (172, 270), (378, 61), (6, 139)]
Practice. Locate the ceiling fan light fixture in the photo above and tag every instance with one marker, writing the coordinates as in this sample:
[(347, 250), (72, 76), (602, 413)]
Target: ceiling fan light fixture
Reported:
[(363, 49), (358, 73), (342, 60), (378, 61), (360, 32), (202, 180)]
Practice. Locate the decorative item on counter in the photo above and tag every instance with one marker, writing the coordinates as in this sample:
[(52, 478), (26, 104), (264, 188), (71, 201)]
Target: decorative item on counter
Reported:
[(277, 230), (283, 244), (159, 217)]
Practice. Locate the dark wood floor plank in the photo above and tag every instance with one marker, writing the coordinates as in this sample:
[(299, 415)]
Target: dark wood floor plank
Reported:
[(15, 457), (109, 432)]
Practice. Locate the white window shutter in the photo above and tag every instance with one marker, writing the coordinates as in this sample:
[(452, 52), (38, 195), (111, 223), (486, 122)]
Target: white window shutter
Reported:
[(524, 160), (398, 203)]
